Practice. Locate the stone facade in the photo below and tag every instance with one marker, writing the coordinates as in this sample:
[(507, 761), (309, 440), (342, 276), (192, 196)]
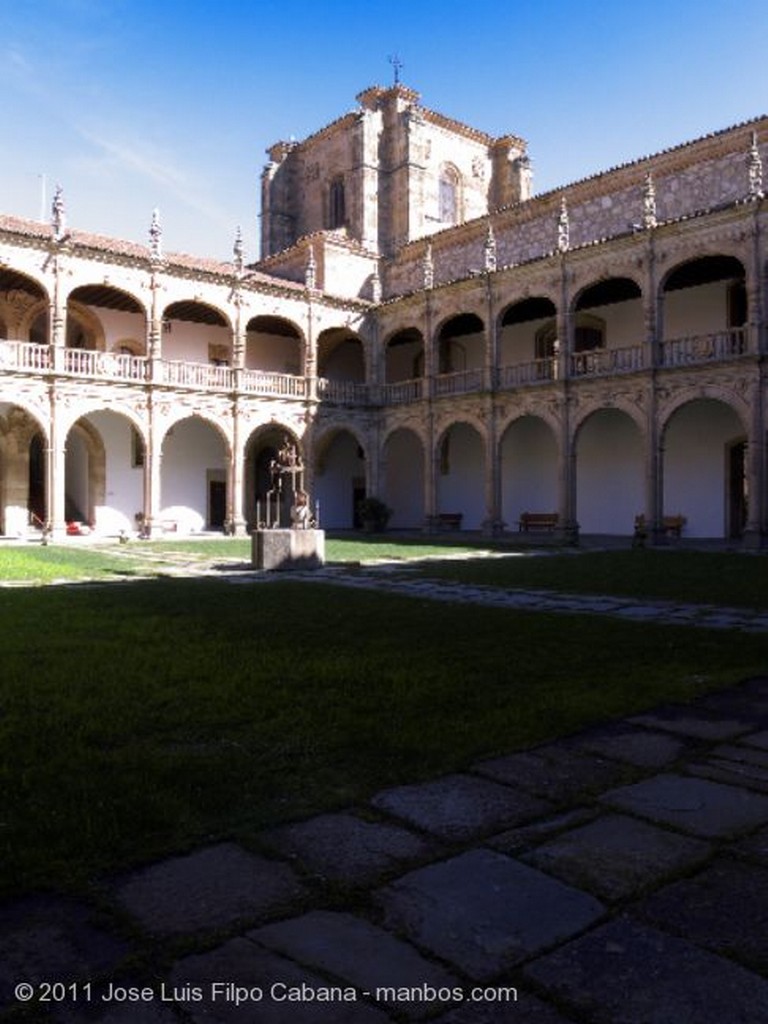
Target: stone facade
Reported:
[(422, 329)]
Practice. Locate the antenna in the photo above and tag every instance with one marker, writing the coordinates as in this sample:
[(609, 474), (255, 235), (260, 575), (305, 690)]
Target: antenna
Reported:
[(43, 188)]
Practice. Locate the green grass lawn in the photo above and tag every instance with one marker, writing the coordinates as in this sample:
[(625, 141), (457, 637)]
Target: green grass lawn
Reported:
[(142, 718), (726, 578)]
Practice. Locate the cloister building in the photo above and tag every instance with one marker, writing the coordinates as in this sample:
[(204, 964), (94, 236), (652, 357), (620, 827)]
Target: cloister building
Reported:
[(422, 326)]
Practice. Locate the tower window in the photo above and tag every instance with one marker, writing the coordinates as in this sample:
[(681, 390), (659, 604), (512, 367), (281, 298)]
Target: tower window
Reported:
[(337, 206)]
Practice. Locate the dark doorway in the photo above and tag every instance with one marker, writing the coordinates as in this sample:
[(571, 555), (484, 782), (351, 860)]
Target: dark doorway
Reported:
[(36, 491), (738, 508), (217, 504)]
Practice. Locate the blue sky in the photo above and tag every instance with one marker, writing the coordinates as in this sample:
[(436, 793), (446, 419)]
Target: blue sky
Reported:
[(133, 105)]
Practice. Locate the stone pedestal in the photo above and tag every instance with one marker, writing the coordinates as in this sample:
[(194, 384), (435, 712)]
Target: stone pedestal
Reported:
[(288, 549)]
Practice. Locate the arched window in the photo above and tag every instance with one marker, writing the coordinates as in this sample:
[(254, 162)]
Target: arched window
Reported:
[(448, 197), (337, 213)]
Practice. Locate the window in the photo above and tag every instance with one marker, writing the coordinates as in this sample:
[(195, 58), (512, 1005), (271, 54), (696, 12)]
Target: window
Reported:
[(448, 197), (337, 214), (138, 453)]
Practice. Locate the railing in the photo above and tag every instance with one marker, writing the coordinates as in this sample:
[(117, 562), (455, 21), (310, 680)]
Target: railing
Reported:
[(527, 373), (110, 365), (704, 348), (27, 357), (402, 391), (343, 392), (198, 375), (601, 361), (459, 383), (24, 355), (282, 385)]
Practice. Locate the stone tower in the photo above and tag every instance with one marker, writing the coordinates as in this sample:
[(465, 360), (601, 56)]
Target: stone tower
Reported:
[(386, 174)]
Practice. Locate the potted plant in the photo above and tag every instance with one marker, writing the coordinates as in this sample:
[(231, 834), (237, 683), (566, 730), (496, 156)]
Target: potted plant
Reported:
[(374, 514)]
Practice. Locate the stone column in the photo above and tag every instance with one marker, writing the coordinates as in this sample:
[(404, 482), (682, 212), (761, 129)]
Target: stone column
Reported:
[(235, 523), (152, 473), (55, 518), (756, 530)]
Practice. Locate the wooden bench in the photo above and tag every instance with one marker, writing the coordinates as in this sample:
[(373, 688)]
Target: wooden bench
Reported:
[(671, 525), (533, 521), (449, 520)]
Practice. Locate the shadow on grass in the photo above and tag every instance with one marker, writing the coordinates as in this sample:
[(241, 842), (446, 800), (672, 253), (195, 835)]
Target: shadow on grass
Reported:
[(137, 720)]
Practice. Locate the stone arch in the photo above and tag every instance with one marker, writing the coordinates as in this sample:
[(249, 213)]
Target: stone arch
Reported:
[(340, 474), (699, 437), (342, 355), (527, 333), (461, 457), (197, 332), (21, 299), (85, 472), (195, 480), (403, 472), (404, 355), (260, 449), (704, 303), (23, 476), (460, 341), (275, 344), (528, 466), (609, 466)]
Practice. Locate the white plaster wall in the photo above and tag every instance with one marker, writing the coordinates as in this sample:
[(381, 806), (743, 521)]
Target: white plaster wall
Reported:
[(189, 341), (124, 490), (76, 462), (623, 322), (404, 480), (273, 353), (345, 362), (528, 470), (462, 489), (341, 468), (609, 474), (698, 310), (695, 476), (190, 449), (119, 326), (517, 342), (400, 361)]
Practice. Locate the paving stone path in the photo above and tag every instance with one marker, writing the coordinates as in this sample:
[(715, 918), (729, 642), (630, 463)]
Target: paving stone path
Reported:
[(616, 876)]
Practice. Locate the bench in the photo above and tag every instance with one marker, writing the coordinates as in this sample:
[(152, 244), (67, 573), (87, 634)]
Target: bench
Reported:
[(449, 520), (533, 521), (671, 525)]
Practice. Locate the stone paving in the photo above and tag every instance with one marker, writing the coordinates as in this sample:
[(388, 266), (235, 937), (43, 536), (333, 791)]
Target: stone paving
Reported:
[(616, 876)]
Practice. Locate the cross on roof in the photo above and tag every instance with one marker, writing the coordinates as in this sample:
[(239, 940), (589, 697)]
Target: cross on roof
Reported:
[(398, 65)]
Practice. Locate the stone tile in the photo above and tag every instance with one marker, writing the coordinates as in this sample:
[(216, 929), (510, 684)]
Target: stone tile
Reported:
[(702, 909), (516, 840), (51, 939), (757, 739), (271, 980), (562, 776), (694, 805), (347, 849), (526, 1009), (688, 721), (627, 973), (755, 847), (484, 912), (616, 857), (640, 747), (738, 752), (210, 888), (731, 773), (98, 1012), (359, 954), (460, 807), (749, 699)]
